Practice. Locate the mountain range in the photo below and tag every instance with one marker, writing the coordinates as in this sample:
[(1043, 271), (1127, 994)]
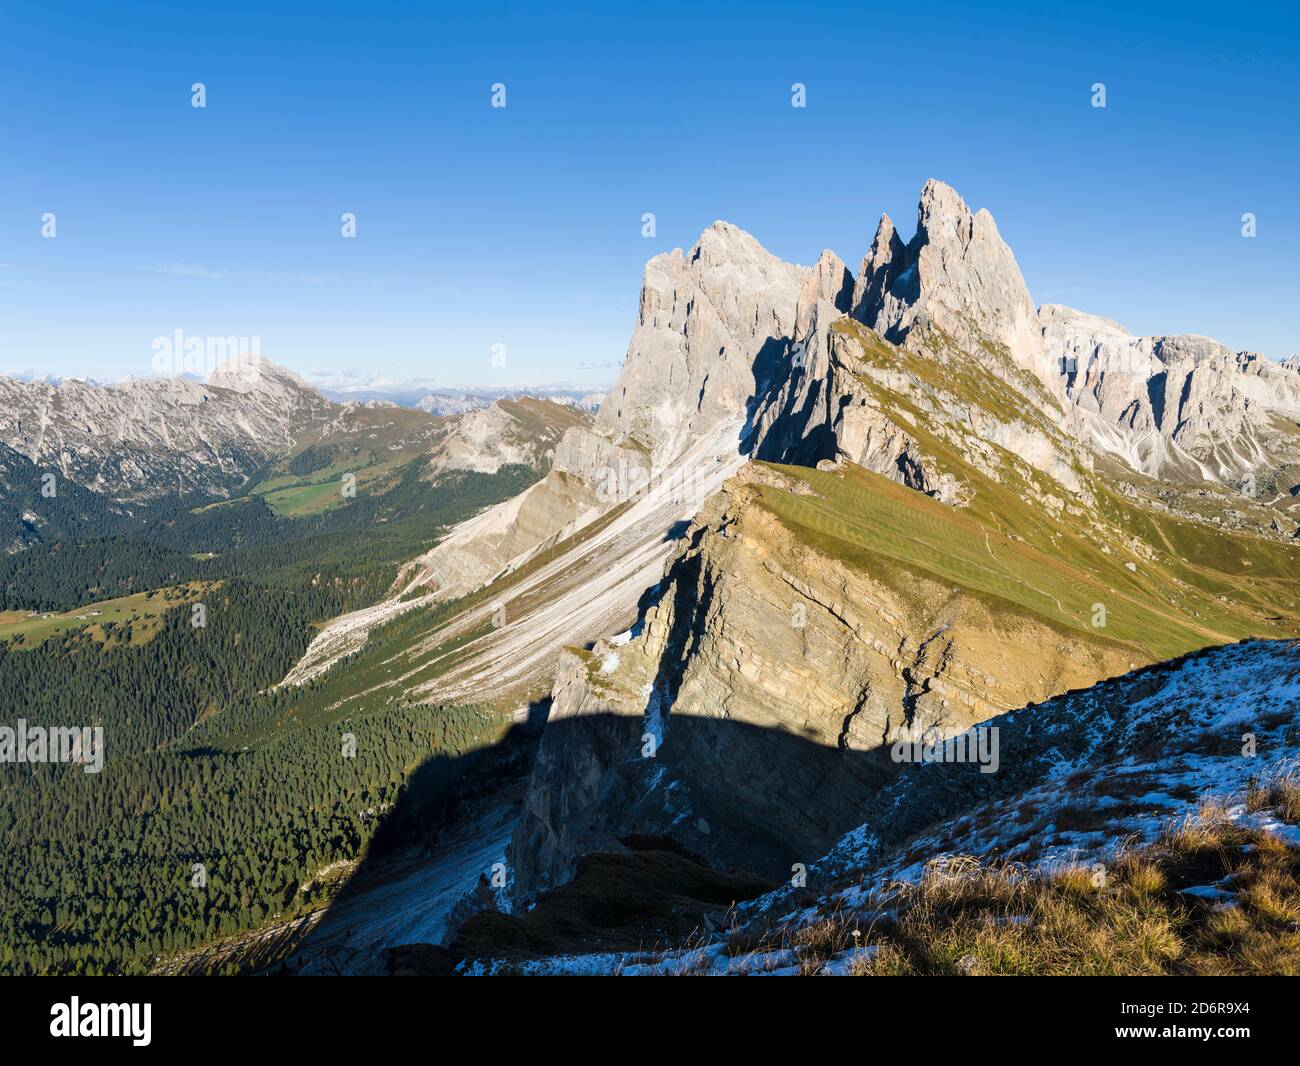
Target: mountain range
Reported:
[(821, 517), (841, 509)]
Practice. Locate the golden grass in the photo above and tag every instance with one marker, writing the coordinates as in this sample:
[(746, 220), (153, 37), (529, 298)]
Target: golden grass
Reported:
[(1281, 793), (1126, 917)]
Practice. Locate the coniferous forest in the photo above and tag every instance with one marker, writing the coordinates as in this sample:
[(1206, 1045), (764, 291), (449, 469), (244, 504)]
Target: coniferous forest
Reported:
[(220, 796)]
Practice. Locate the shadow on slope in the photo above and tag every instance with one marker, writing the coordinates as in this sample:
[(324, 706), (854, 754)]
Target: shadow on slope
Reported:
[(679, 838), (433, 860)]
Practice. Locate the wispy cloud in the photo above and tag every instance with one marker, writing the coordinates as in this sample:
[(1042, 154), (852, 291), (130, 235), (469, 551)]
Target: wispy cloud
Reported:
[(191, 270)]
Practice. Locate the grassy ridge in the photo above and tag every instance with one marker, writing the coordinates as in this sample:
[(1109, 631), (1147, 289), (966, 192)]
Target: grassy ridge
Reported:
[(968, 918), (875, 524), (1168, 585)]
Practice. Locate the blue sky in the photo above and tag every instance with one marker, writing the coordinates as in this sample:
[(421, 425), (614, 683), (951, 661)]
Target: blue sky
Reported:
[(522, 226)]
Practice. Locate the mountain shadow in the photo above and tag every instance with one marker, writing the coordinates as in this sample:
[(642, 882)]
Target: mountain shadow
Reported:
[(435, 855), (778, 375), (654, 850)]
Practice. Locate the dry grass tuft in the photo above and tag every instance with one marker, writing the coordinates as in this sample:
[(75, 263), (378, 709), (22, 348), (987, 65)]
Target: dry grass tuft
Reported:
[(1130, 916), (1280, 794)]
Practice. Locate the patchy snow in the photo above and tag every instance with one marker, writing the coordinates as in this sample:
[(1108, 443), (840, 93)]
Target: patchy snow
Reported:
[(1108, 768), (1211, 893), (712, 960), (1144, 766), (843, 963)]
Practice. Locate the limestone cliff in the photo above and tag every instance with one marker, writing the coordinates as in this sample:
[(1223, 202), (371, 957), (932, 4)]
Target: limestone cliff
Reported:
[(749, 713), (1182, 406)]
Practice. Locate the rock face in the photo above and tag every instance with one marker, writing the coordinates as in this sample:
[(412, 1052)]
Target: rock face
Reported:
[(769, 679), (1178, 405), (956, 273), (712, 325), (139, 440), (507, 432), (864, 401)]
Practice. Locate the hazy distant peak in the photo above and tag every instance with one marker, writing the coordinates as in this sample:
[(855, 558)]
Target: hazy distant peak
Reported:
[(252, 371)]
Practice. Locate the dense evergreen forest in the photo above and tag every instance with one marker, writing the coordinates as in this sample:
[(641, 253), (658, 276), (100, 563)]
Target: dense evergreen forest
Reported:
[(220, 797), (349, 554)]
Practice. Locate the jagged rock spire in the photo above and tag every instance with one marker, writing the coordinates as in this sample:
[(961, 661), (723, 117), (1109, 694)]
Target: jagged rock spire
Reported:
[(957, 273), (880, 269), (713, 323)]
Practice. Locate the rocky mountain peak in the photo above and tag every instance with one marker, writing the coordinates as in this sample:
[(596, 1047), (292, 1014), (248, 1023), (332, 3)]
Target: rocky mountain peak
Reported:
[(828, 280), (880, 269), (722, 241), (710, 320), (251, 372), (139, 438), (956, 273)]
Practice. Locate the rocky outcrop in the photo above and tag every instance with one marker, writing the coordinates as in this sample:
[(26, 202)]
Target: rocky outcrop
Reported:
[(1178, 405), (892, 410), (956, 273)]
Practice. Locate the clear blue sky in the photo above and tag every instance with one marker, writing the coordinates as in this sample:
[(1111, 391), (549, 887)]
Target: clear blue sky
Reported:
[(522, 226)]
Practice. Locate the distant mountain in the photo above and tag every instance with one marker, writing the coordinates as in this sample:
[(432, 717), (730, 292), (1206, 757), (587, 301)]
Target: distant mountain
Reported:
[(79, 459), (458, 401), (358, 386), (523, 432), (141, 439), (1182, 405)]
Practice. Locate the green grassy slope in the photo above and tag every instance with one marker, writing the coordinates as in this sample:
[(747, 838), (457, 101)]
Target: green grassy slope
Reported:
[(1168, 584), (107, 621), (1164, 609)]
